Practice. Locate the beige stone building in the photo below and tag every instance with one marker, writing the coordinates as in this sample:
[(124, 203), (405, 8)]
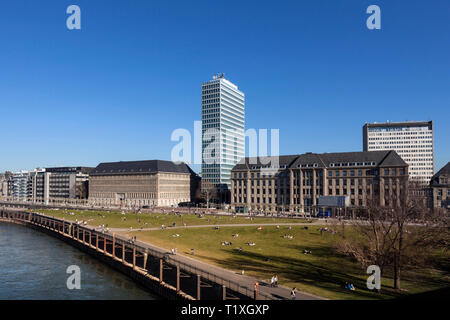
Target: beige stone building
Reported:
[(296, 182), (142, 183), (440, 186)]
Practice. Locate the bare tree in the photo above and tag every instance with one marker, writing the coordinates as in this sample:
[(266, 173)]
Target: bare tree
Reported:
[(208, 192), (398, 232)]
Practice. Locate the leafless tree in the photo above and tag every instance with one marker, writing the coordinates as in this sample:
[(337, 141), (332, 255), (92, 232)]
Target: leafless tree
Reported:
[(208, 192), (398, 232)]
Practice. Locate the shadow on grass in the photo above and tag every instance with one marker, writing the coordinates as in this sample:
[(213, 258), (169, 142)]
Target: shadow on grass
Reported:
[(329, 276)]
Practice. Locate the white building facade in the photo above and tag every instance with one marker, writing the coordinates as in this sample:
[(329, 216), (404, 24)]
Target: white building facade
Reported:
[(223, 136), (413, 141)]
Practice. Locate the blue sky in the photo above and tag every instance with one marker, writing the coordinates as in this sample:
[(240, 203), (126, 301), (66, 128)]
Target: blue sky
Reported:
[(117, 88)]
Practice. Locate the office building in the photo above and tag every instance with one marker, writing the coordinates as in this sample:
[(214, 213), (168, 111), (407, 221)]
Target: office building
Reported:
[(298, 181), (52, 185), (413, 141), (223, 140), (142, 183)]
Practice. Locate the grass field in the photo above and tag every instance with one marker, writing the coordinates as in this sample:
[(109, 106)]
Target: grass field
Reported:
[(322, 273), (113, 219)]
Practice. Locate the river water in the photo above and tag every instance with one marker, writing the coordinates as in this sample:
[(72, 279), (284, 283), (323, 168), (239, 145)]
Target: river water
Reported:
[(33, 265)]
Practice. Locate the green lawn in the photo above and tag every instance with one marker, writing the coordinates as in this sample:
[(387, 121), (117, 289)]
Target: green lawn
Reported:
[(145, 220), (322, 273)]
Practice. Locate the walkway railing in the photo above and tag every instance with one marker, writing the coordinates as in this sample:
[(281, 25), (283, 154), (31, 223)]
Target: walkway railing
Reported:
[(72, 230)]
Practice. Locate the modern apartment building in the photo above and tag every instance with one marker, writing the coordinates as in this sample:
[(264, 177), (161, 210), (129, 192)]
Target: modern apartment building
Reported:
[(223, 139), (22, 183), (296, 184), (413, 141), (142, 183)]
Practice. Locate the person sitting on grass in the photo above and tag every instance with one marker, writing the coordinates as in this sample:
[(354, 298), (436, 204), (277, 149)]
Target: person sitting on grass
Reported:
[(349, 286)]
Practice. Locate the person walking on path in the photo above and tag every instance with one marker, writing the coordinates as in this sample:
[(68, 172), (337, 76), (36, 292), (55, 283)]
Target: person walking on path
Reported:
[(275, 281), (272, 281), (293, 293)]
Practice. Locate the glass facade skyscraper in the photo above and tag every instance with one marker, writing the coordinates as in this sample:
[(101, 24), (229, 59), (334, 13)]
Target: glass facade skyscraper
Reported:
[(223, 137)]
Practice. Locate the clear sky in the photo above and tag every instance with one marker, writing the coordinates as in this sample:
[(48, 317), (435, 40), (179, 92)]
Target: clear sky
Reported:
[(116, 89)]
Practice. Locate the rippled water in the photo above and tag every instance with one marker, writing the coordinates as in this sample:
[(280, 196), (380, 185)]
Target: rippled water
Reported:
[(33, 266)]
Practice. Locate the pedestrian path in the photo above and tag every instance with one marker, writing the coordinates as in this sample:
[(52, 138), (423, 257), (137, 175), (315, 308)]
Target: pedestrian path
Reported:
[(278, 293)]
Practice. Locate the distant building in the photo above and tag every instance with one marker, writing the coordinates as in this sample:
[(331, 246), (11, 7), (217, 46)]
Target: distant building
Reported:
[(299, 180), (142, 183), (6, 185), (61, 183), (22, 185), (440, 185), (413, 141), (223, 139)]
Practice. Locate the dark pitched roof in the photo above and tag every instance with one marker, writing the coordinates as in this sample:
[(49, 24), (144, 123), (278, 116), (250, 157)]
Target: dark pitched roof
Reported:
[(140, 167), (324, 160), (444, 170), (248, 163)]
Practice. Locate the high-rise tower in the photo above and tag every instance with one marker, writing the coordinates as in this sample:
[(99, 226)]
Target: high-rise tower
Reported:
[(223, 139)]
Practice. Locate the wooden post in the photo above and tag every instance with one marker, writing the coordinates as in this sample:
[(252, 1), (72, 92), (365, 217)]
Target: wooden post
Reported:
[(104, 244), (123, 253), (178, 279), (96, 241), (114, 245), (198, 286), (145, 260), (224, 293), (160, 270), (134, 257)]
